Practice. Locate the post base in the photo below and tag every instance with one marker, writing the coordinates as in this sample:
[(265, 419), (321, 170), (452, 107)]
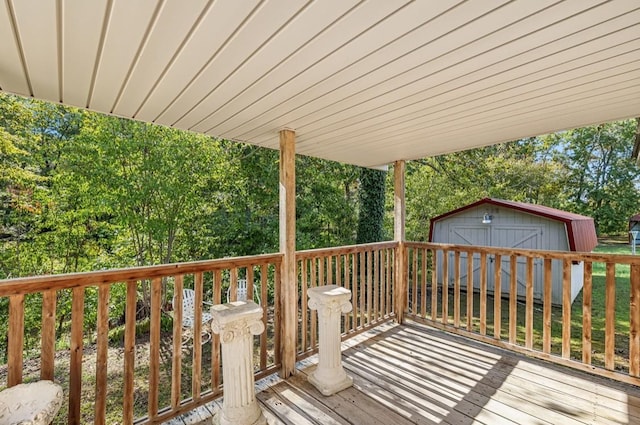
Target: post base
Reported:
[(330, 387), (219, 419)]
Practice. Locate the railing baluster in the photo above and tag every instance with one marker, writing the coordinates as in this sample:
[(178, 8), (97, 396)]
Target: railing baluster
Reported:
[(456, 289), (546, 307), (423, 283), (154, 345), (313, 283), (48, 347), (610, 317), (566, 309), (102, 343), (586, 311), (215, 338), (354, 289), (528, 322), (369, 277), (303, 300), (277, 293), (445, 287), (176, 358), (483, 293), (233, 285), (413, 276), (390, 280), (196, 371), (129, 351), (470, 291), (497, 297), (16, 340), (250, 287), (75, 364), (513, 298), (434, 285), (362, 264), (376, 284), (264, 271)]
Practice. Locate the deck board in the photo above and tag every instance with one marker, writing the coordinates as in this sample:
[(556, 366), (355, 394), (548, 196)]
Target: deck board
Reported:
[(413, 374)]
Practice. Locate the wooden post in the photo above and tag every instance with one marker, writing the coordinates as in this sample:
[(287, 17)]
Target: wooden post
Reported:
[(289, 294), (399, 215)]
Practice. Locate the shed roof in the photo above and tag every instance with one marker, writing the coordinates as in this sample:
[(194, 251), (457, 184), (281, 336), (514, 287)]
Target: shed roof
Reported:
[(360, 82), (581, 230)]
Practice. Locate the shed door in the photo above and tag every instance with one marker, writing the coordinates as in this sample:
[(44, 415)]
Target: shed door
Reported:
[(519, 237), (468, 235)]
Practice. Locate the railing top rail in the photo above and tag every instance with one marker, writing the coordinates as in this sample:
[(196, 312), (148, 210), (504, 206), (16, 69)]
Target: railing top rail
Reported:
[(350, 249), (25, 285), (537, 253)]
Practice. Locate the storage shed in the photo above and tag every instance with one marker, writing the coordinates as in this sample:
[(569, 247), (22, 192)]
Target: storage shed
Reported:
[(518, 225)]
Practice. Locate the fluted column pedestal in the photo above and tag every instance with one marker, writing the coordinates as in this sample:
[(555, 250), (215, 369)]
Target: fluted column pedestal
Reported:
[(237, 323), (331, 301)]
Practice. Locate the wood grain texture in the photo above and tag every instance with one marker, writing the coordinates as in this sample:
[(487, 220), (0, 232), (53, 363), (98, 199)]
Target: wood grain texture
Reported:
[(48, 347), (413, 374)]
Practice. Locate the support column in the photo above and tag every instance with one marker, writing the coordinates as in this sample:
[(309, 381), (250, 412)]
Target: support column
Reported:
[(399, 215), (289, 282), (331, 301), (237, 323)]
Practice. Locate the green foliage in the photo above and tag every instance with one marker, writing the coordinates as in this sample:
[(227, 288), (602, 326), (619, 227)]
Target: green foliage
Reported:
[(601, 178), (80, 191), (372, 201), (326, 201), (517, 171)]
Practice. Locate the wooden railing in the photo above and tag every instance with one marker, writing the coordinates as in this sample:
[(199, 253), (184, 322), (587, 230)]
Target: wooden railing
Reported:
[(576, 309), (521, 300), (367, 270), (127, 317)]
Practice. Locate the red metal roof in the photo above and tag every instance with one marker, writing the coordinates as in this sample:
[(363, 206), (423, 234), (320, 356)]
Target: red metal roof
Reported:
[(581, 229)]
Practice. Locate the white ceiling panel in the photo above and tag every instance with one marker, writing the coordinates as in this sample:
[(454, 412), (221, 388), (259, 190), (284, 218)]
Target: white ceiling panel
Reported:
[(260, 29), (360, 81), (171, 29), (125, 38), (78, 53), (40, 48), (11, 68), (208, 37)]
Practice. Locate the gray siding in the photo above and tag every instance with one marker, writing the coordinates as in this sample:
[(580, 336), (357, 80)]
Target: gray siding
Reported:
[(509, 229)]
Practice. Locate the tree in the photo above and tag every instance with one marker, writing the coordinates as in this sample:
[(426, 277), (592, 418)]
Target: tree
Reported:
[(372, 201), (326, 203), (519, 171), (602, 179)]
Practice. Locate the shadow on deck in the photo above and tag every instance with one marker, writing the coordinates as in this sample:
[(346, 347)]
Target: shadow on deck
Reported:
[(413, 374)]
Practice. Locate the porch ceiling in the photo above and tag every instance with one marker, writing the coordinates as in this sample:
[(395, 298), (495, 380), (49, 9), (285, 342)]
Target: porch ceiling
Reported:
[(361, 82)]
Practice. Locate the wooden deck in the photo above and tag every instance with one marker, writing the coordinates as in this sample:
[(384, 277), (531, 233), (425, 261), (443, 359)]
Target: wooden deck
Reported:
[(413, 374)]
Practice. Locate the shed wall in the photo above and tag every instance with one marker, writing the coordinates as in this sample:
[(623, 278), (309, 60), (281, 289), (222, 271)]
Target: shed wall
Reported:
[(509, 229)]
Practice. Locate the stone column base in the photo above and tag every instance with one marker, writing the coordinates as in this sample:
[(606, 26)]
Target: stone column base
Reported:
[(219, 419), (330, 386)]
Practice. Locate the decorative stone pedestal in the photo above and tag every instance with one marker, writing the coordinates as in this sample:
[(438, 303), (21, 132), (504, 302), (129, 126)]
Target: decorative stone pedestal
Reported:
[(331, 301), (236, 323), (35, 403)]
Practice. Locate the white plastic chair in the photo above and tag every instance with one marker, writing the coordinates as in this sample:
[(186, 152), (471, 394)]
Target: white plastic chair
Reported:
[(242, 292), (188, 317)]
